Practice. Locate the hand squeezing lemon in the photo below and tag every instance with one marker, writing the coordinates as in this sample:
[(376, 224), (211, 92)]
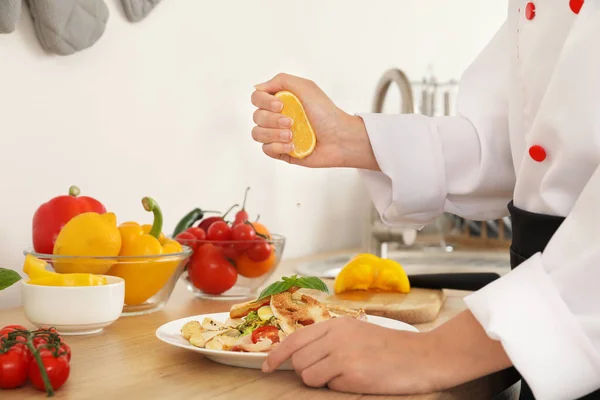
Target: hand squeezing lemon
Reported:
[(303, 135)]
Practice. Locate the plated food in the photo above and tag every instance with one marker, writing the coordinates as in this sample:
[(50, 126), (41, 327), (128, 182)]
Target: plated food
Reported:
[(170, 333), (259, 325)]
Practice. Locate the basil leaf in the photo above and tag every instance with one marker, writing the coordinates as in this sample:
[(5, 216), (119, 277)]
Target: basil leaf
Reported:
[(8, 277), (308, 282), (312, 282), (274, 288)]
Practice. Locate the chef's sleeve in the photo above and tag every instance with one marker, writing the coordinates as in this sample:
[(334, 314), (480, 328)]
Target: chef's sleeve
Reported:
[(546, 312), (458, 164)]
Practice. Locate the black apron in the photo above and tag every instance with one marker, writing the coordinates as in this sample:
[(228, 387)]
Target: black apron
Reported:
[(531, 233)]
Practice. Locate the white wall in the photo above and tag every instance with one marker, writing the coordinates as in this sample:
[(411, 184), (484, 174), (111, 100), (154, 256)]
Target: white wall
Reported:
[(162, 108)]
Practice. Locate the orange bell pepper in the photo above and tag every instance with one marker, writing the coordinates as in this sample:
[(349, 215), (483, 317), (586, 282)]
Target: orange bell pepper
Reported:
[(146, 276)]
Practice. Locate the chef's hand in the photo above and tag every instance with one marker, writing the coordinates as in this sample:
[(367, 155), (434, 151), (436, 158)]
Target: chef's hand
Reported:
[(349, 355), (354, 356), (342, 139)]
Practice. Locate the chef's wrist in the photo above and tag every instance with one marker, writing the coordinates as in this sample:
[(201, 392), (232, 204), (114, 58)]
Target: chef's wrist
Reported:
[(465, 352), (355, 146)]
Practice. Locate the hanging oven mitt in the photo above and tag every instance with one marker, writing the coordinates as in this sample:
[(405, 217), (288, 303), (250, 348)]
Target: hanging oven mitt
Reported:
[(65, 27), (10, 11), (137, 10)]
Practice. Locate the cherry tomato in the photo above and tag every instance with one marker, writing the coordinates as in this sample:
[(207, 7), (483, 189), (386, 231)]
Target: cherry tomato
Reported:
[(187, 239), (185, 235), (208, 222), (11, 328), (266, 332), (13, 368), (64, 348), (39, 341), (210, 271), (24, 349), (219, 231), (199, 233), (230, 250), (260, 251), (243, 233), (53, 330), (57, 368)]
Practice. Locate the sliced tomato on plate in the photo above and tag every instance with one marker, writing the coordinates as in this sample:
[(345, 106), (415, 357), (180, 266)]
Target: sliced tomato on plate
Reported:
[(266, 332)]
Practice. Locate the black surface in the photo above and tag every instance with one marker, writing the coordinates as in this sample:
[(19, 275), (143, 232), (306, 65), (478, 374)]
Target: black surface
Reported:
[(458, 281)]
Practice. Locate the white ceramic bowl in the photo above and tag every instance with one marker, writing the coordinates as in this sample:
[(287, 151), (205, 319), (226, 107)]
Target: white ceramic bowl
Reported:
[(76, 310)]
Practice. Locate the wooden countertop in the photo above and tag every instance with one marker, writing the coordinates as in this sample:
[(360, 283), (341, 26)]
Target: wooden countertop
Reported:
[(127, 361)]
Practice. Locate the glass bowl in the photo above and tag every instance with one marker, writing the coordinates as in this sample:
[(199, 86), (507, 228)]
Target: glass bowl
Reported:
[(215, 259), (149, 280)]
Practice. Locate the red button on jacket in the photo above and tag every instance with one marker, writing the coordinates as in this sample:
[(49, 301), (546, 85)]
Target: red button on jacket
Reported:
[(537, 153), (576, 5), (530, 11)]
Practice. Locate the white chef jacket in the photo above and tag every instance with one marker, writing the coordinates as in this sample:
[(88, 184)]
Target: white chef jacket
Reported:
[(528, 130)]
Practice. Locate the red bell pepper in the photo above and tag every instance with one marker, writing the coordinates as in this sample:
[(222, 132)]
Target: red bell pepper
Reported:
[(52, 216)]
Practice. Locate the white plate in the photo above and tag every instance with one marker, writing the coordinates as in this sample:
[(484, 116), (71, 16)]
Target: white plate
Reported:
[(170, 333)]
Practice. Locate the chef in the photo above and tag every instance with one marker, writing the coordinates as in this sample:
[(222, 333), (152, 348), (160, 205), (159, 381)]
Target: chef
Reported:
[(525, 143)]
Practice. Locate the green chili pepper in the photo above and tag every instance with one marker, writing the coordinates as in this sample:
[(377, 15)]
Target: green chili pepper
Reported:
[(190, 219)]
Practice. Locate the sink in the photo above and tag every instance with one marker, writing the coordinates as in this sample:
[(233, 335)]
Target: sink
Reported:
[(419, 262)]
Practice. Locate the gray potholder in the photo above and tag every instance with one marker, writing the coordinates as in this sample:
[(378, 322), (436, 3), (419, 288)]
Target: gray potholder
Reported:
[(10, 11), (137, 10), (67, 26)]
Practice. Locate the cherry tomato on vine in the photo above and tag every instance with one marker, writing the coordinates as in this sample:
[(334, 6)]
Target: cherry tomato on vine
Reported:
[(57, 368), (11, 328), (39, 341), (13, 368), (64, 348)]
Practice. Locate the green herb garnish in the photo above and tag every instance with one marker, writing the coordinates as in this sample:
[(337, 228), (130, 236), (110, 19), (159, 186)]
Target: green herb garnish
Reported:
[(8, 277), (306, 282)]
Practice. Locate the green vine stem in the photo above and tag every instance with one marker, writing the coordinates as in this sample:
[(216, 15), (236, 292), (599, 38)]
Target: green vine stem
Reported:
[(38, 360)]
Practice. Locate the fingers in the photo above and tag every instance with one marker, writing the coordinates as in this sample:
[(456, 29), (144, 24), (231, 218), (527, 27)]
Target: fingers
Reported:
[(278, 151), (322, 372), (266, 101), (294, 343), (312, 353), (270, 135), (268, 119)]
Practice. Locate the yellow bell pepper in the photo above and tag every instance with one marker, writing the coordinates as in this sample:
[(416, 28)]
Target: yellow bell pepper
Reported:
[(368, 272), (35, 268), (145, 276)]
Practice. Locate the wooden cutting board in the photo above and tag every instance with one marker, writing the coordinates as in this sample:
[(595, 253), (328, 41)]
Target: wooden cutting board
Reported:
[(417, 307)]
